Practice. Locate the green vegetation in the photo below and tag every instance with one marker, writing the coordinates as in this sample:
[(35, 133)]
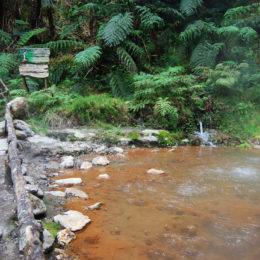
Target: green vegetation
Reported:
[(52, 227), (162, 64)]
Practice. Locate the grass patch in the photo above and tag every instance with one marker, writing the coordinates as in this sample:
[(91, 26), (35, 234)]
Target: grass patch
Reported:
[(52, 227)]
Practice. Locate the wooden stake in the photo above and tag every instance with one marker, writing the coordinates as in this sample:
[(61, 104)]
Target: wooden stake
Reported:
[(45, 83), (25, 87)]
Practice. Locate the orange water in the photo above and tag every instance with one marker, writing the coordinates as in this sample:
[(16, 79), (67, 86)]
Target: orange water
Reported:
[(206, 206)]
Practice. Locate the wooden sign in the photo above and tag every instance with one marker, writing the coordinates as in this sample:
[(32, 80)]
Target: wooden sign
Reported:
[(34, 62)]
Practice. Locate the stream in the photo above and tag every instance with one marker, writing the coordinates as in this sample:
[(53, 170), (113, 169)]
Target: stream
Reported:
[(205, 206)]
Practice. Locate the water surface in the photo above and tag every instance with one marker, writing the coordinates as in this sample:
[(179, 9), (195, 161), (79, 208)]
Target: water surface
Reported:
[(206, 206)]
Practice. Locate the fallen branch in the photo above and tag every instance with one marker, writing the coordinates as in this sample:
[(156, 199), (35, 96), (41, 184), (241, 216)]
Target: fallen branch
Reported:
[(6, 90), (29, 229)]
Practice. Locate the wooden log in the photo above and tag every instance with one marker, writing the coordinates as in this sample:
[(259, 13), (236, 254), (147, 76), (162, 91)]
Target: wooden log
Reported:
[(34, 70), (29, 229)]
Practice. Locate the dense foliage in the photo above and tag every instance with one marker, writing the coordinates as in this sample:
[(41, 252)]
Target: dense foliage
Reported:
[(167, 64)]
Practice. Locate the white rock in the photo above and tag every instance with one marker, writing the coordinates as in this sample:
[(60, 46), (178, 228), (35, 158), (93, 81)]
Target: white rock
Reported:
[(21, 135), (114, 150), (76, 193), (38, 206), (148, 139), (100, 160), (65, 236), (95, 206), (103, 176), (56, 193), (150, 132), (86, 165), (67, 162), (124, 140), (19, 107), (3, 145), (48, 240), (155, 171), (21, 125), (72, 220), (100, 149), (69, 181)]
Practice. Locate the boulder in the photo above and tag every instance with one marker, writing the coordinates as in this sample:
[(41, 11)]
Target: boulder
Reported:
[(155, 171), (19, 107), (148, 139), (72, 220), (38, 206), (34, 189), (56, 193), (86, 165), (67, 162), (3, 145), (150, 132), (115, 150), (103, 176), (76, 193), (48, 240), (65, 236), (100, 160), (100, 149), (69, 181), (21, 125), (21, 135), (124, 140), (2, 128)]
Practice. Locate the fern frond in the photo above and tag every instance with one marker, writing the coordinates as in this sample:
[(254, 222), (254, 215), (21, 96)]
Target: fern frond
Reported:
[(189, 7), (228, 31), (47, 3), (197, 30), (89, 56), (118, 85), (205, 54), (126, 59), (25, 37), (170, 11), (163, 107), (62, 45), (7, 62), (117, 29), (248, 34), (149, 20), (5, 38), (135, 50)]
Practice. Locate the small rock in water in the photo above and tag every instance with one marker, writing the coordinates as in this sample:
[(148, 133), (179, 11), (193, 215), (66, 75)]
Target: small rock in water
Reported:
[(38, 206), (172, 150), (76, 193), (257, 146), (155, 151), (155, 171), (115, 150), (95, 206), (103, 176), (100, 160), (48, 240), (72, 220), (56, 193), (65, 236), (54, 186), (69, 181), (86, 165), (67, 162)]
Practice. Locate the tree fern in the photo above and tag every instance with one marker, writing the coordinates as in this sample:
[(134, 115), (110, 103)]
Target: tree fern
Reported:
[(197, 30), (5, 38), (117, 29), (7, 62), (164, 107), (135, 50), (205, 54), (228, 31), (170, 11), (25, 37), (89, 56), (189, 7), (126, 59), (248, 34), (62, 45), (118, 85), (149, 19)]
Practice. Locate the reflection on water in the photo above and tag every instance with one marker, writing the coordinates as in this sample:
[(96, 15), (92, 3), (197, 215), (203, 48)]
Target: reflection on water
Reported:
[(206, 206)]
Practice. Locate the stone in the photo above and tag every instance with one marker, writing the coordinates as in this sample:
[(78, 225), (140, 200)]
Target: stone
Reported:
[(100, 149), (72, 220), (43, 177), (150, 132), (124, 140), (67, 162), (34, 189), (2, 128), (65, 236), (60, 254), (86, 165), (48, 240), (103, 176), (29, 179), (155, 151), (53, 186), (155, 171), (148, 139), (23, 170), (100, 160), (19, 107), (69, 181), (56, 193), (21, 125), (38, 206), (95, 206), (257, 146), (172, 150), (76, 193), (115, 150), (3, 144), (21, 135)]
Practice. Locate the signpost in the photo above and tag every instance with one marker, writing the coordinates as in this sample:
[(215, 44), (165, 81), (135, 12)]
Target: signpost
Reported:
[(34, 64)]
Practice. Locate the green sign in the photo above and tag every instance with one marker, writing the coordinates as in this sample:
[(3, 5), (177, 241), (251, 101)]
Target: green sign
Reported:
[(34, 55)]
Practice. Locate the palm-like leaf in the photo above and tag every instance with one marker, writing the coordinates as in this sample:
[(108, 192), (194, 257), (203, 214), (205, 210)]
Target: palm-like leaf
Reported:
[(25, 37), (189, 7), (117, 29), (126, 59), (89, 56)]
